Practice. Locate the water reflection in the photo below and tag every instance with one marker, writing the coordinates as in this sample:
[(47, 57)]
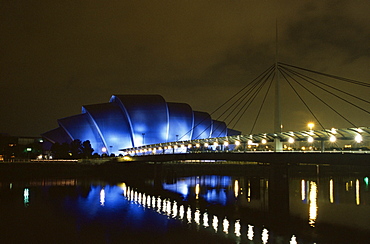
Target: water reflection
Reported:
[(303, 190), (265, 236), (236, 188), (293, 240), (102, 197), (250, 233), (225, 224), (26, 194), (211, 186), (205, 220), (237, 228), (357, 192), (313, 204), (199, 203), (215, 223), (331, 191), (171, 209)]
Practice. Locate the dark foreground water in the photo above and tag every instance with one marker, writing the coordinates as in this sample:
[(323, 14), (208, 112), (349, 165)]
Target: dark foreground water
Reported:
[(258, 204)]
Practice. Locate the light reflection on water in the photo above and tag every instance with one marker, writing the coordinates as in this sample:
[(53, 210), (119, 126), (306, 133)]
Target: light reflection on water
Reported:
[(165, 206), (313, 204), (216, 190), (312, 199)]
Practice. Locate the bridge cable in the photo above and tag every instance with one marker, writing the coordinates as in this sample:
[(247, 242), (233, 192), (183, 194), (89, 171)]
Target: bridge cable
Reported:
[(245, 95), (267, 70), (322, 83), (263, 102), (302, 100), (331, 76), (240, 100), (345, 100), (249, 101), (283, 71), (318, 98)]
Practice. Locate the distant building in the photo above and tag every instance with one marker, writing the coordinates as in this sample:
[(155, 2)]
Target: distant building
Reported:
[(134, 120), (19, 147)]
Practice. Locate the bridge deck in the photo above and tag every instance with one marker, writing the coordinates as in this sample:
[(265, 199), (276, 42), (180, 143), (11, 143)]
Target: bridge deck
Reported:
[(264, 157)]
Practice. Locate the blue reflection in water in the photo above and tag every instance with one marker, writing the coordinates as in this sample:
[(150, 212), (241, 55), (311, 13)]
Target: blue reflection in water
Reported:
[(181, 187), (216, 196), (212, 188), (108, 210)]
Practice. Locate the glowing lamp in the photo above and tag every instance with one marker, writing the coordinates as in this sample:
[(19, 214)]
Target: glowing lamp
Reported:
[(358, 138), (310, 125), (332, 138)]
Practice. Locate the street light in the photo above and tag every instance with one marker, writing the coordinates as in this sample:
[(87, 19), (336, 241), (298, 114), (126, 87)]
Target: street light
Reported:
[(358, 138), (310, 125), (332, 138)]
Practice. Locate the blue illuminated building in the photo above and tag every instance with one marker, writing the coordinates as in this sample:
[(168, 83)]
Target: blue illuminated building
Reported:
[(128, 121)]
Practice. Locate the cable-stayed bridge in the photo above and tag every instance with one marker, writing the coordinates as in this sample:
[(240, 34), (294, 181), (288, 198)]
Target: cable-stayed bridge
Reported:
[(329, 102)]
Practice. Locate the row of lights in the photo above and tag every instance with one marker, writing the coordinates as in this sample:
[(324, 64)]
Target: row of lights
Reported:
[(291, 140), (310, 139)]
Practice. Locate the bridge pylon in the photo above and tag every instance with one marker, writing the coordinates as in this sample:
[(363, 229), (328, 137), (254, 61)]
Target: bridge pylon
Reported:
[(278, 145)]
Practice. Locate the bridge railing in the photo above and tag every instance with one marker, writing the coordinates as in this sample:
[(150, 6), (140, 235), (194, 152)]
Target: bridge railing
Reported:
[(352, 140)]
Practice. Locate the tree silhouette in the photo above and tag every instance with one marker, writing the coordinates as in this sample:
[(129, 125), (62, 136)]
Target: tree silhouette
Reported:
[(87, 150), (76, 148), (60, 151)]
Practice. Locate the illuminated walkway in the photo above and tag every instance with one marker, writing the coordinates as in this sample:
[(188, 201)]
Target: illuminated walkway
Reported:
[(330, 142)]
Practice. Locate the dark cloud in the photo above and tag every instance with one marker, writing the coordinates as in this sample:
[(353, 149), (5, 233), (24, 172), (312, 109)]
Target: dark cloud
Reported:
[(57, 56)]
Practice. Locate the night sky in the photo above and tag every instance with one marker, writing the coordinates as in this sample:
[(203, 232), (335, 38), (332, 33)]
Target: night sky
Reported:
[(56, 56)]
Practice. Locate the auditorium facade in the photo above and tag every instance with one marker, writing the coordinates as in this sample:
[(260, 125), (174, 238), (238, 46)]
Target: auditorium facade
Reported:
[(128, 121)]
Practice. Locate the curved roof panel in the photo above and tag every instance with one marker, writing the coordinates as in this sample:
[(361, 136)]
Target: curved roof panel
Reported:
[(148, 115), (181, 121), (112, 124), (219, 129), (202, 125), (81, 127)]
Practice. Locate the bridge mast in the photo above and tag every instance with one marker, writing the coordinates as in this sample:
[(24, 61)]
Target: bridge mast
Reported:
[(277, 118)]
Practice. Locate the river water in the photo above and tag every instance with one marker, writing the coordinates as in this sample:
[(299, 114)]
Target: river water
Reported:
[(259, 204)]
